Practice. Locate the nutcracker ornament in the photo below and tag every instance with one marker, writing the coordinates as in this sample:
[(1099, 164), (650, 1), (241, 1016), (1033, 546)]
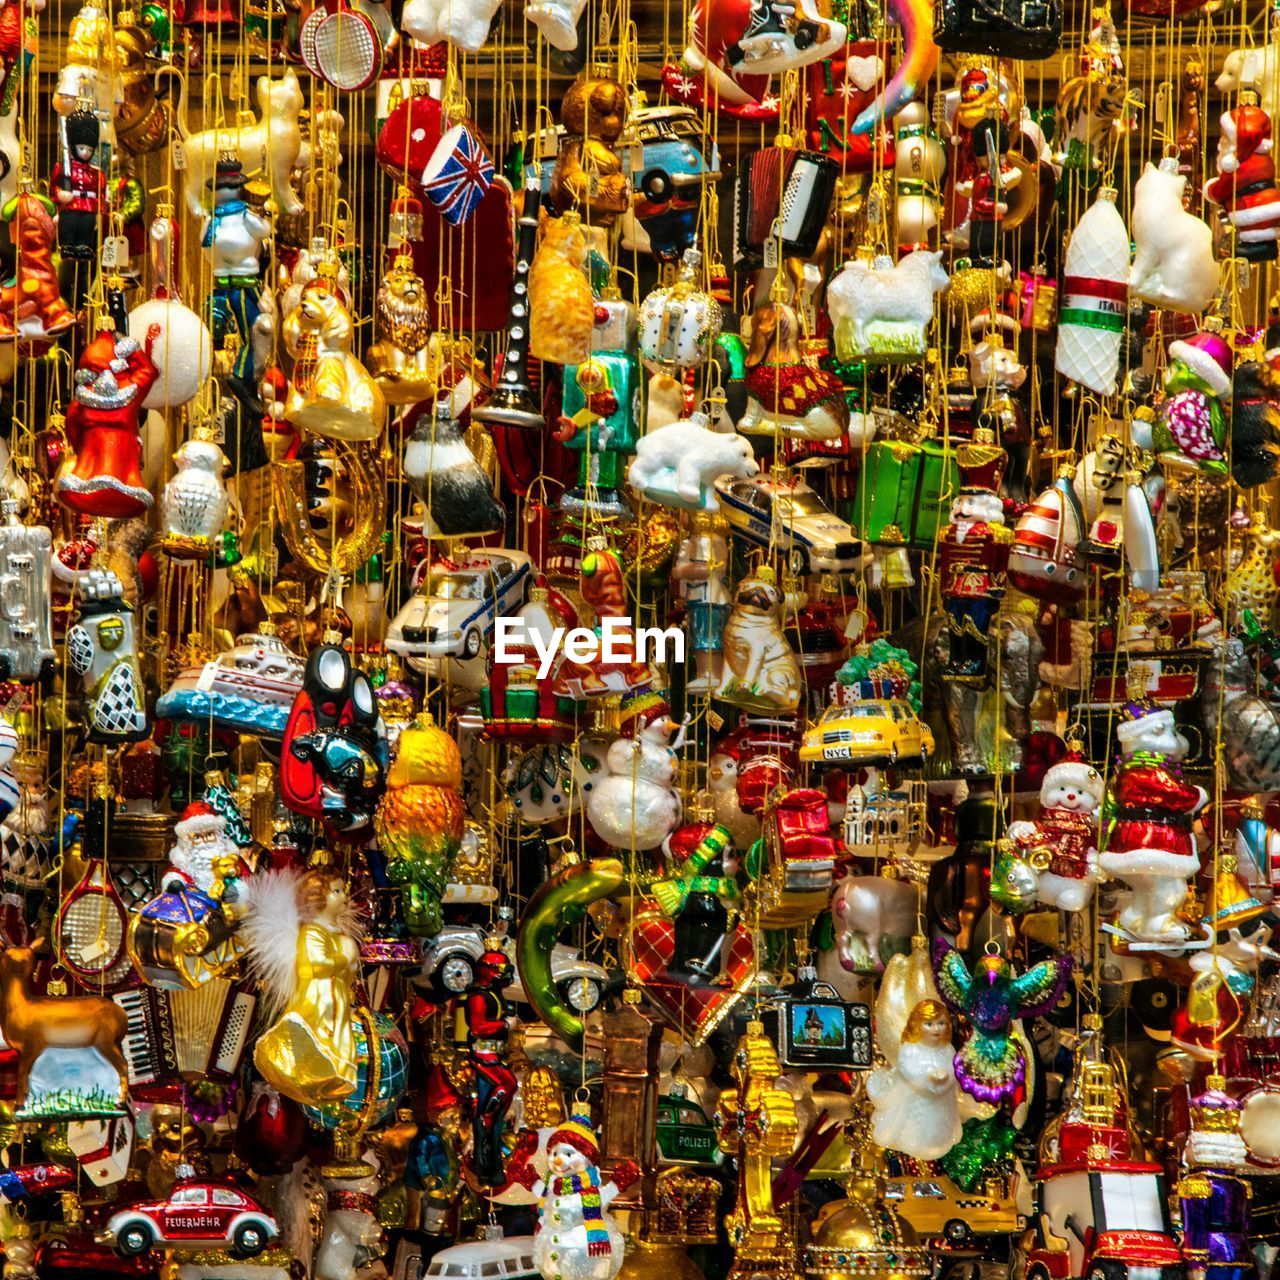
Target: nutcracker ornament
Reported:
[(577, 1237), (1245, 188), (600, 418), (701, 577), (1147, 837), (104, 476), (102, 649), (1065, 834), (974, 552), (488, 1018), (79, 190)]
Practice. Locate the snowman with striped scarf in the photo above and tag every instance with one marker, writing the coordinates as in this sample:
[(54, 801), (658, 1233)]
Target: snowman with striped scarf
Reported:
[(577, 1238)]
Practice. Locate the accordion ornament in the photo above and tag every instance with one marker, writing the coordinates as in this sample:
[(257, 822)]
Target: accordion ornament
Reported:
[(782, 197)]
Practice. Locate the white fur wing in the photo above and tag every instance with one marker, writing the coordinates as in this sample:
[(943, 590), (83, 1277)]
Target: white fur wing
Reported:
[(270, 931)]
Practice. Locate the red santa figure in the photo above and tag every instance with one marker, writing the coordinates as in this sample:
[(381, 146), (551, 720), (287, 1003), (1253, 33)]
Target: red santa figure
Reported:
[(1245, 188), (1067, 831), (105, 477), (975, 556), (1148, 843), (203, 853)]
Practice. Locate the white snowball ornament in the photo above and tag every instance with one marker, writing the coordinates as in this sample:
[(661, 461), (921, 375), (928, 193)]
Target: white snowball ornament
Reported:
[(1094, 297), (917, 1101), (183, 352)]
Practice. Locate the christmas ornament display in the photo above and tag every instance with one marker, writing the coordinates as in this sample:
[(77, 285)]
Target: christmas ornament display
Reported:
[(639, 638)]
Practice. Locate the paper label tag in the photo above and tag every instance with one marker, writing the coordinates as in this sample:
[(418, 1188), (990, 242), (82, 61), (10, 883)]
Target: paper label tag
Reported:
[(1142, 677), (179, 154), (771, 246), (115, 253), (94, 950), (715, 720)]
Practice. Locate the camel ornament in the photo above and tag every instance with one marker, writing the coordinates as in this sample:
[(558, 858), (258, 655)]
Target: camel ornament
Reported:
[(70, 1061)]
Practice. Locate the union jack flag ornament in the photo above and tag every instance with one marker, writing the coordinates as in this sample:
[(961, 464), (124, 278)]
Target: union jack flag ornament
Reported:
[(457, 175)]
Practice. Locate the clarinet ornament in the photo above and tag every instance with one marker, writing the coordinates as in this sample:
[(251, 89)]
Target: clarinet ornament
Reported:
[(512, 403), (1095, 288)]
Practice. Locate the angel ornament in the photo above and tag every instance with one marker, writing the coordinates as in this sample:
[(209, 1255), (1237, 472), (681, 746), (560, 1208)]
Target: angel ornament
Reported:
[(917, 1104), (302, 936)]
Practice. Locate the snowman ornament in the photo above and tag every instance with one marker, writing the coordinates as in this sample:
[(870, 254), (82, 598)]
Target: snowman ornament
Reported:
[(637, 806), (1065, 834), (576, 1238)]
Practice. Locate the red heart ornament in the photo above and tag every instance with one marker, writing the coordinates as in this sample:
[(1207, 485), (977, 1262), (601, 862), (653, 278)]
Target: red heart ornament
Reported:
[(693, 1011)]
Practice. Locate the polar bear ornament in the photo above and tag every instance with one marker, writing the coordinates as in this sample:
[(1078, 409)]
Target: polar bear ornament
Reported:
[(677, 465)]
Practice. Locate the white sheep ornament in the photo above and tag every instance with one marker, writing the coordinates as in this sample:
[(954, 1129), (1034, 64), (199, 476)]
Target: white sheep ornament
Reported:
[(881, 312)]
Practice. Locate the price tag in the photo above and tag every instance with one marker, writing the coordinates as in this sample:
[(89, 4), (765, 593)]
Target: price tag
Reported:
[(115, 253), (771, 246), (1143, 677), (179, 154), (92, 951), (715, 720)]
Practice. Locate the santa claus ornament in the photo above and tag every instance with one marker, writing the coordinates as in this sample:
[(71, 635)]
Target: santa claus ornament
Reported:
[(1148, 840), (104, 476), (1245, 188)]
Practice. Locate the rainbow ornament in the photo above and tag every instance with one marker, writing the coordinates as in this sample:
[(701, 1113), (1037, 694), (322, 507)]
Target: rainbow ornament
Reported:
[(919, 61)]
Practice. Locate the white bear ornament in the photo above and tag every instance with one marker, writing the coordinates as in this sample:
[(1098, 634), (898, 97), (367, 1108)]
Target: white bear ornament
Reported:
[(677, 465), (1174, 267)]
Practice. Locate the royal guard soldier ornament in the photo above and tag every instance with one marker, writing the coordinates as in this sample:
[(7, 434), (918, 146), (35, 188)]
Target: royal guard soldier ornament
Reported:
[(974, 556)]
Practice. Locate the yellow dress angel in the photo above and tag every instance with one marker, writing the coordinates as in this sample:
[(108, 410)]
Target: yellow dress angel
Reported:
[(301, 934)]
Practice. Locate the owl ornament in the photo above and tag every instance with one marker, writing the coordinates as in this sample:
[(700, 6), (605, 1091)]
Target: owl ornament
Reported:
[(194, 503), (101, 648)]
